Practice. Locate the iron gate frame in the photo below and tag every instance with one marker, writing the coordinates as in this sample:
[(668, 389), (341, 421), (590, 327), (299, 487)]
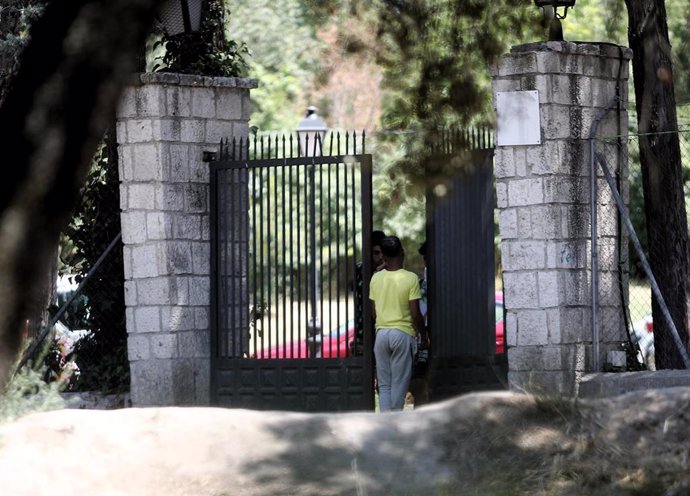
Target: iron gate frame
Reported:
[(476, 367), (306, 384)]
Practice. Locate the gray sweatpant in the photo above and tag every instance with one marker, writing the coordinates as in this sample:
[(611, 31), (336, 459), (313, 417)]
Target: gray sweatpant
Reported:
[(394, 350)]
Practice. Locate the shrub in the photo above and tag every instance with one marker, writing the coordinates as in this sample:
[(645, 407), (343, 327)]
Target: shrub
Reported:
[(27, 393)]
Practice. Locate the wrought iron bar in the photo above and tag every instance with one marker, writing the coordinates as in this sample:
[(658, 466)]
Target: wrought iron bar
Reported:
[(354, 222), (263, 302), (330, 249), (314, 324), (276, 252), (292, 261), (298, 213), (244, 240), (337, 242), (229, 253), (284, 256), (61, 311), (346, 237), (320, 253), (307, 272)]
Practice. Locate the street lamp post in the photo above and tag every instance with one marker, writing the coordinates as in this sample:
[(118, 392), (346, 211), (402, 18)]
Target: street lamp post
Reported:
[(551, 10), (311, 132)]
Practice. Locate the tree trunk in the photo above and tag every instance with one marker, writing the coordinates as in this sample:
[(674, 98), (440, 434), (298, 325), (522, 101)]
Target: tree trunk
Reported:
[(661, 171), (80, 56)]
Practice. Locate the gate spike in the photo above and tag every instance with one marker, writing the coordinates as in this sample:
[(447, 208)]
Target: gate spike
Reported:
[(364, 141)]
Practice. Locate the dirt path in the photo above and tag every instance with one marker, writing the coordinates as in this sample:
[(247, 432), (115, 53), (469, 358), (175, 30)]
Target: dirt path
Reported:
[(480, 444)]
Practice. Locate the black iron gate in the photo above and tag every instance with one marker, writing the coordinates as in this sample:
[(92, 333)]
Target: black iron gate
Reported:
[(287, 231), (465, 311)]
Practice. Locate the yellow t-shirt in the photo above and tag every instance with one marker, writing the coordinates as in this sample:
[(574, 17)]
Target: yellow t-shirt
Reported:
[(391, 292)]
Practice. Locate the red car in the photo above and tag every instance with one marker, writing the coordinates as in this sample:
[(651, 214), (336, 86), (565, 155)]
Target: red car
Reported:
[(338, 341), (500, 324), (335, 344)]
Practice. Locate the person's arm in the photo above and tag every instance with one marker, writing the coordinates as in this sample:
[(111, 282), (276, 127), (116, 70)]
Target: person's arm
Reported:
[(373, 310), (418, 321)]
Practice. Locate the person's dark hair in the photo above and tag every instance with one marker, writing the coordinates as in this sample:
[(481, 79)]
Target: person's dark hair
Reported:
[(376, 237), (422, 249), (391, 247)]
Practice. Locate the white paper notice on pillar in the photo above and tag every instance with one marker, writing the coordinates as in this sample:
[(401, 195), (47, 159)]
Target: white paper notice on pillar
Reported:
[(518, 118)]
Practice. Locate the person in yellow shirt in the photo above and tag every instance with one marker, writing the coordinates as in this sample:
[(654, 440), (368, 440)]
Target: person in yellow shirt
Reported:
[(395, 294)]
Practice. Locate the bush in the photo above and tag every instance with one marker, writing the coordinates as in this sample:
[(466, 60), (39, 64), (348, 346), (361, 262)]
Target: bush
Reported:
[(27, 393)]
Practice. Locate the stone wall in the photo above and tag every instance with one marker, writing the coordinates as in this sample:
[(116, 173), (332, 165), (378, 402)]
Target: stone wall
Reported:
[(543, 195), (164, 124)]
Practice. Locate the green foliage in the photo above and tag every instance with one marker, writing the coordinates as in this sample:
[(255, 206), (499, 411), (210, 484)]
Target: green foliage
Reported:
[(597, 21), (678, 19), (16, 17), (636, 204), (437, 56), (103, 365), (204, 53), (27, 393), (102, 357), (399, 203), (284, 57), (279, 212)]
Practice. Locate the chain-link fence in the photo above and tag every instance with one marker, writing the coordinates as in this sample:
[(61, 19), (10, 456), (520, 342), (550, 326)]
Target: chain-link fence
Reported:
[(641, 249), (84, 342)]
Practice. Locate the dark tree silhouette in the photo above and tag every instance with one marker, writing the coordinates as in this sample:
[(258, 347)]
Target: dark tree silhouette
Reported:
[(667, 228), (63, 97)]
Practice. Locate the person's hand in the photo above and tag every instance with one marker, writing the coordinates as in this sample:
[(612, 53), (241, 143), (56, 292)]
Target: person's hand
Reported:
[(424, 342), (380, 267)]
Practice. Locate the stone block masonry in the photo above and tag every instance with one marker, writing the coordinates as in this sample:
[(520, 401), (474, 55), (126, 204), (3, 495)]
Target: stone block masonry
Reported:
[(164, 124), (543, 196)]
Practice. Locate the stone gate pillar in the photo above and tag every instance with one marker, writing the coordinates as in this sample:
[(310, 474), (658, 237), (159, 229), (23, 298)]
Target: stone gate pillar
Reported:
[(164, 124), (542, 173)]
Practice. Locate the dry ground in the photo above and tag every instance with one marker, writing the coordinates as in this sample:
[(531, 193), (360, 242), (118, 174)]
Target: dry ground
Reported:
[(479, 444)]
